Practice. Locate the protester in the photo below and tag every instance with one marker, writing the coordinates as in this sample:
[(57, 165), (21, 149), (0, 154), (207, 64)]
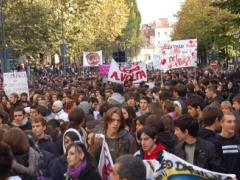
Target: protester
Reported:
[(150, 149), (195, 150), (25, 164), (211, 95), (129, 116), (43, 140), (230, 142), (80, 163), (20, 119), (118, 139), (195, 105), (128, 167), (58, 112), (144, 105), (59, 165), (6, 160), (121, 112)]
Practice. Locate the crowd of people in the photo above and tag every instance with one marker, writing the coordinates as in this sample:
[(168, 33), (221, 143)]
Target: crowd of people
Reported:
[(50, 133)]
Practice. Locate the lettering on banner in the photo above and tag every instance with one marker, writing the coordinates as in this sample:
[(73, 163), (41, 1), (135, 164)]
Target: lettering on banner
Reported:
[(107, 169), (135, 76), (180, 166), (176, 61)]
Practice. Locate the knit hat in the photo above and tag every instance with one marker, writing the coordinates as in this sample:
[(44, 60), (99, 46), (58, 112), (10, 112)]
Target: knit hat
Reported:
[(58, 104)]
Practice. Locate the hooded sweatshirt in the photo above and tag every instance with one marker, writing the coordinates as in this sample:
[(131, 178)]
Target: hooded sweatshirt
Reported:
[(154, 154), (74, 131)]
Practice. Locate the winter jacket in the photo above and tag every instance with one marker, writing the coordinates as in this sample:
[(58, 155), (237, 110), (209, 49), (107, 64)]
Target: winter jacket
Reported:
[(47, 145), (210, 136), (204, 155), (60, 115), (124, 143), (44, 162), (58, 168), (155, 154), (167, 140), (26, 125), (25, 165)]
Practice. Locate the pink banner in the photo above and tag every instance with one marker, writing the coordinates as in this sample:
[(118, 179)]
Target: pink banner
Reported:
[(104, 69)]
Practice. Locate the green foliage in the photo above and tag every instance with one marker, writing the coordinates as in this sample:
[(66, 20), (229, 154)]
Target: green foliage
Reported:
[(34, 26), (198, 19)]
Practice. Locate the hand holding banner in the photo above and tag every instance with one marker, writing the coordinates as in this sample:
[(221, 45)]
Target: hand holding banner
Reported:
[(105, 162), (173, 167)]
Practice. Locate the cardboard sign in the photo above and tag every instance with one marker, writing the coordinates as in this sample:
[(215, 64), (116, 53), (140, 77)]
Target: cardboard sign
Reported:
[(15, 82), (92, 58), (177, 54), (118, 74)]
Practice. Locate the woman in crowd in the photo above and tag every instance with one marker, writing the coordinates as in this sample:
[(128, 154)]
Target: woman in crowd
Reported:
[(6, 160), (25, 163), (59, 165), (80, 163), (129, 116)]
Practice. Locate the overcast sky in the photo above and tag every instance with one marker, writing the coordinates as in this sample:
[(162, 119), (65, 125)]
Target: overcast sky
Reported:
[(153, 9)]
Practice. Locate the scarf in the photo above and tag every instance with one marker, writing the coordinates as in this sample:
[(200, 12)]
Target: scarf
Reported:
[(74, 172)]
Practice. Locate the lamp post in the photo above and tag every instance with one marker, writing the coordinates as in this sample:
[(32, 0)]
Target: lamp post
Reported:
[(236, 37), (63, 45), (2, 39)]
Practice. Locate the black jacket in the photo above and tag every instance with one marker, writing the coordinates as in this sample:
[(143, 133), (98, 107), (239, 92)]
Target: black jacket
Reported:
[(58, 168), (167, 140), (204, 155), (90, 173), (210, 136), (47, 145)]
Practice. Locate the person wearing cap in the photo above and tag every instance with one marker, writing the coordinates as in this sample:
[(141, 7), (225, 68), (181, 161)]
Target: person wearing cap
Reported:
[(58, 112)]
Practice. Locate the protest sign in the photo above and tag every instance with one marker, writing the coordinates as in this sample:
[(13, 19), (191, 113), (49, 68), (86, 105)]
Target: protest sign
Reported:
[(92, 58), (173, 167), (177, 54), (105, 162), (118, 74), (104, 69), (15, 82)]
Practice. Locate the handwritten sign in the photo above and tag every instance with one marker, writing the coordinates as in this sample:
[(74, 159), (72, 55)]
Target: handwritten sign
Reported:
[(118, 74), (15, 82), (177, 54)]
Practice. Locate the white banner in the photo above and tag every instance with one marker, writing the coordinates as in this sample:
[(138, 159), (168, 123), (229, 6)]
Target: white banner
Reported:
[(92, 58), (118, 74), (105, 162), (15, 82), (177, 54), (173, 167)]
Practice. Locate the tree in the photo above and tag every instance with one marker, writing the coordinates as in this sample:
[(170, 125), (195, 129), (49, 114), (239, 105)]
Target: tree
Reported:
[(198, 19), (30, 27), (35, 26)]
